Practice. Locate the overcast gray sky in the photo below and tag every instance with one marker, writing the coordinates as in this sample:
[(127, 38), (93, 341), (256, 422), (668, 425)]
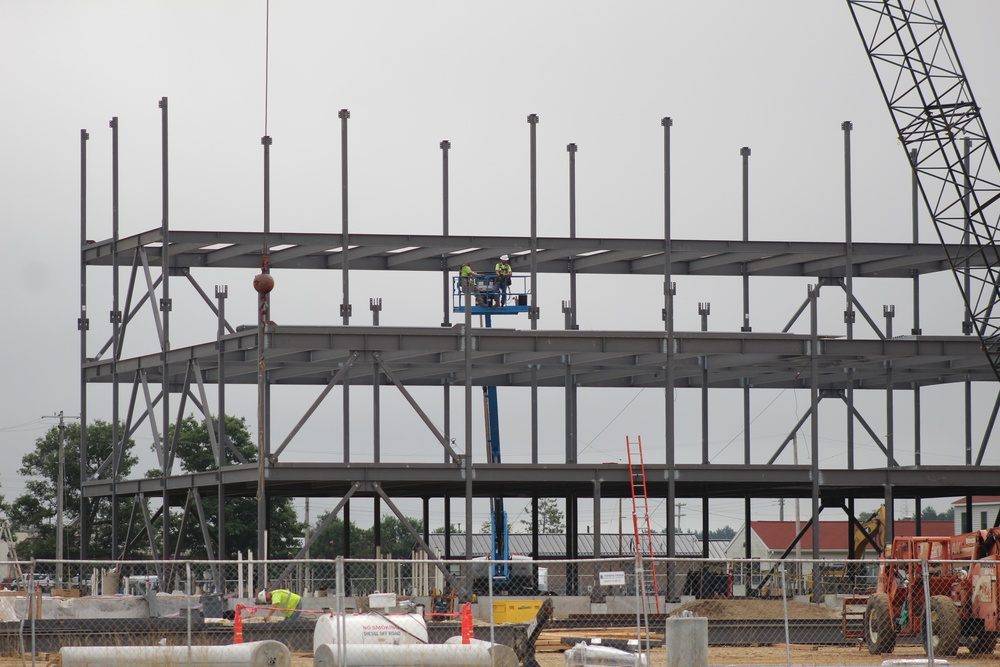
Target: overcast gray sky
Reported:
[(779, 76)]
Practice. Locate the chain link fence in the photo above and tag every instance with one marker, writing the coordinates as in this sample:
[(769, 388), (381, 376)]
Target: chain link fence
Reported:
[(546, 612)]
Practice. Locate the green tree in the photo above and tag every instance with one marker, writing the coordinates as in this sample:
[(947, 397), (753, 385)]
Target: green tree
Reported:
[(453, 528), (194, 454), (487, 528), (930, 514), (725, 533), (396, 539), (330, 543), (550, 517), (34, 512)]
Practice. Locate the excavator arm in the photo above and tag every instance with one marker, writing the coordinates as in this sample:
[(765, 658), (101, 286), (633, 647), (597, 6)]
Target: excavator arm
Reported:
[(872, 532)]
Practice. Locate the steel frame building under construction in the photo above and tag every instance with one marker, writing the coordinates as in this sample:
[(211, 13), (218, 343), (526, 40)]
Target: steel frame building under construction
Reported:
[(955, 175), (459, 357)]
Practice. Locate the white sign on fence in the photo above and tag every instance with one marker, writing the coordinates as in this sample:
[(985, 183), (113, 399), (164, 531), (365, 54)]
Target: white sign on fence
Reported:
[(612, 578)]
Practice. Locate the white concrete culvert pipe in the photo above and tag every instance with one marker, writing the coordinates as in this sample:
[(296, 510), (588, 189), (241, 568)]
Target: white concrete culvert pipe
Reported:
[(267, 653), (414, 655)]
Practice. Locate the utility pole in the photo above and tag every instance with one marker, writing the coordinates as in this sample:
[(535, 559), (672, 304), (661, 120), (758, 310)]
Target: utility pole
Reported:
[(60, 490), (680, 506)]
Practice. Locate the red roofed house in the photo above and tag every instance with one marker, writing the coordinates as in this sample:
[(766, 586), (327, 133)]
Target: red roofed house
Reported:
[(770, 539)]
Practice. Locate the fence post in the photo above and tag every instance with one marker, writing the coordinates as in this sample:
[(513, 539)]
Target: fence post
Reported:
[(190, 593), (927, 611), (341, 606)]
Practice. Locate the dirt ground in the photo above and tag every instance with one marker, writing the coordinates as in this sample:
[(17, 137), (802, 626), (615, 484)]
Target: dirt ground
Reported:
[(758, 609), (773, 656), (724, 656), (718, 657), (779, 654), (761, 655)]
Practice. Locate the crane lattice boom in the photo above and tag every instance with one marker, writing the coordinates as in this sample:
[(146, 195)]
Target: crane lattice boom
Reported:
[(945, 139)]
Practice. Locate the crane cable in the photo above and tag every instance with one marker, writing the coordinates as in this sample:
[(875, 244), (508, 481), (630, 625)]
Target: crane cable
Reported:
[(267, 43)]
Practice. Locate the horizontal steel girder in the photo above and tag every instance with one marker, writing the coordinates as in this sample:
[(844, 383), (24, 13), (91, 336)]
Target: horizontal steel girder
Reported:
[(412, 252), (435, 357), (317, 479)]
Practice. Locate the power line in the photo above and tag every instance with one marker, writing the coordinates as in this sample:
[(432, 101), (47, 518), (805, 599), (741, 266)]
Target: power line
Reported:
[(19, 427)]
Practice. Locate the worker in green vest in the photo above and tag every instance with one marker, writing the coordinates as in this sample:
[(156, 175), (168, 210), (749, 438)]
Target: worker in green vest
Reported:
[(468, 279), (283, 600), (503, 272)]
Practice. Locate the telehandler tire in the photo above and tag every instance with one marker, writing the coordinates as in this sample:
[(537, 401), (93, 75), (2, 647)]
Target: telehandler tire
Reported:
[(981, 642), (880, 633), (945, 626)]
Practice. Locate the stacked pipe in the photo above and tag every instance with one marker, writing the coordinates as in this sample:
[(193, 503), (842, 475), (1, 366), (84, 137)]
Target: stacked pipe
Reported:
[(267, 653)]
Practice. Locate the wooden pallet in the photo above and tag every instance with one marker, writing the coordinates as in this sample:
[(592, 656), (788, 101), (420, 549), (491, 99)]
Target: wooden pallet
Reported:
[(559, 639)]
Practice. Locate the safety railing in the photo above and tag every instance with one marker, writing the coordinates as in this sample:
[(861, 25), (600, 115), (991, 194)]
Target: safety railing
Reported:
[(488, 295)]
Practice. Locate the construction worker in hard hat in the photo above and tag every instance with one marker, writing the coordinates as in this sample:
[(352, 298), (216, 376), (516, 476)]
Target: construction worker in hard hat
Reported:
[(468, 279), (283, 600), (503, 272)]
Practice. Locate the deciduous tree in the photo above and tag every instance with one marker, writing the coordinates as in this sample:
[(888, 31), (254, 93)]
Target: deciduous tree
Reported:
[(195, 454), (34, 511)]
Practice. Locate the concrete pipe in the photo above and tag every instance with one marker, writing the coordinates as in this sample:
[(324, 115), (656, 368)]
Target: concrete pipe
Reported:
[(449, 655), (605, 656), (252, 654)]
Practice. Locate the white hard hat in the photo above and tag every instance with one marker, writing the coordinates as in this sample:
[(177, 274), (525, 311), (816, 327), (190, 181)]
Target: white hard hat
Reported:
[(262, 596), (504, 258)]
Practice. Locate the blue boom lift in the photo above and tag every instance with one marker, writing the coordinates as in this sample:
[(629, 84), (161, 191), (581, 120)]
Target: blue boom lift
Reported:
[(486, 300)]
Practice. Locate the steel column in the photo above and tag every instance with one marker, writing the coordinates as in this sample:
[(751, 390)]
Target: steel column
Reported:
[(445, 278), (745, 153), (814, 422), (117, 446), (597, 521), (915, 330), (571, 413), (533, 311), (345, 237), (221, 293), (165, 308), (83, 324), (571, 149), (668, 377), (467, 463), (849, 315)]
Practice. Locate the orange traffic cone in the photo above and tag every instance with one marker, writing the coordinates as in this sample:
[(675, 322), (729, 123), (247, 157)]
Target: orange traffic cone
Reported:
[(467, 623), (238, 625)]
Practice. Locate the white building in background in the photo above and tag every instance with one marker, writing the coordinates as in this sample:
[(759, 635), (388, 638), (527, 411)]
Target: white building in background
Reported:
[(985, 510)]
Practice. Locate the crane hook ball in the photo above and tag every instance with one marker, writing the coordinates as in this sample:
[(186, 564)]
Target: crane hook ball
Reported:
[(263, 283)]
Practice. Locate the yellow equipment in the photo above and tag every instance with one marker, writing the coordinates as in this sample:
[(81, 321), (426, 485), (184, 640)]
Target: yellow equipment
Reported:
[(873, 533)]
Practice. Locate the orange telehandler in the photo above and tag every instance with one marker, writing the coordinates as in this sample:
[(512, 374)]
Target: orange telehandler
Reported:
[(961, 580)]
